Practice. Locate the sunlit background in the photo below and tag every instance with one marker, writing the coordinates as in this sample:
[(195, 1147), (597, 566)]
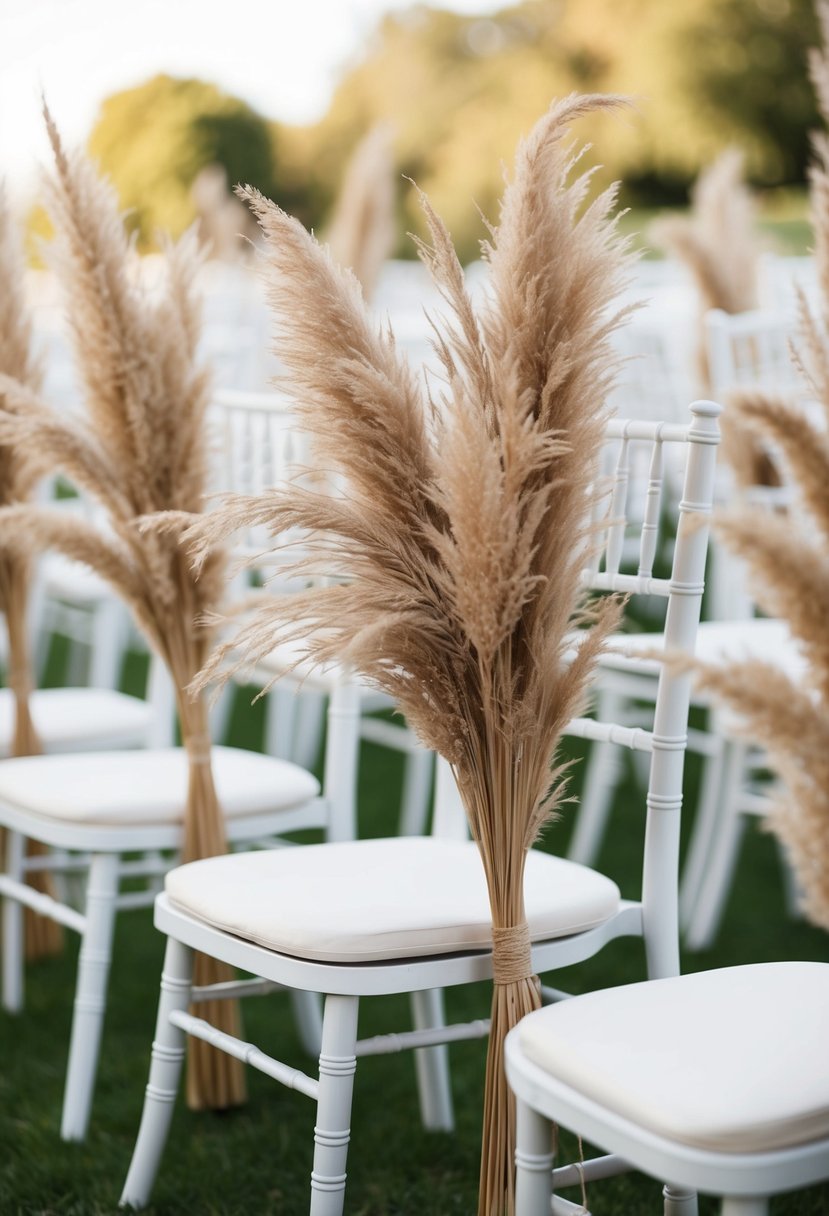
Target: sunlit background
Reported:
[(280, 94)]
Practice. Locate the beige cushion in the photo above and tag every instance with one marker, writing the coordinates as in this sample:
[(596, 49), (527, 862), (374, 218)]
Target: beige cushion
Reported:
[(148, 786), (65, 717), (731, 1060), (374, 899), (721, 641)]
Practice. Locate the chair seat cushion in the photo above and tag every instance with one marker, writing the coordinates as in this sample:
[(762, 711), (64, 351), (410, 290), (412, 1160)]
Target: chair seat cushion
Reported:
[(730, 1060), (368, 900), (717, 642), (67, 718), (148, 786)]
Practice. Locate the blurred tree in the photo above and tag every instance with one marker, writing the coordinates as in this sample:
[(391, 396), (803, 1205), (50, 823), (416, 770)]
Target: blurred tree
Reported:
[(154, 139)]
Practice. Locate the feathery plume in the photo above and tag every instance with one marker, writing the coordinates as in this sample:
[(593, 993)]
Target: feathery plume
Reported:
[(717, 242), (788, 562), (362, 231), (141, 449), (457, 545), (19, 473)]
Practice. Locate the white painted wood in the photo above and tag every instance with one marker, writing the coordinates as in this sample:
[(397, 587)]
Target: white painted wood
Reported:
[(332, 1131), (13, 927), (679, 1201), (165, 1070), (432, 1063), (90, 995)]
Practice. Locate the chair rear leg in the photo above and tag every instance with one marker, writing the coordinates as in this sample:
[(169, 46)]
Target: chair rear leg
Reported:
[(417, 785), (308, 1018), (725, 845), (15, 845), (602, 778), (169, 1046), (751, 1206), (533, 1162), (338, 1063), (432, 1064), (703, 833), (90, 995)]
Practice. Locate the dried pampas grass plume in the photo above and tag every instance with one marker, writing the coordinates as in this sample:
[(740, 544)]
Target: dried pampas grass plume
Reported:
[(788, 561), (464, 527), (19, 473), (362, 231), (718, 243), (139, 449)]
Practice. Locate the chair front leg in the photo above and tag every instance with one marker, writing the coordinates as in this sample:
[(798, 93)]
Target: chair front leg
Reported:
[(338, 1063), (90, 995), (169, 1046), (679, 1201), (13, 927), (533, 1162), (753, 1206)]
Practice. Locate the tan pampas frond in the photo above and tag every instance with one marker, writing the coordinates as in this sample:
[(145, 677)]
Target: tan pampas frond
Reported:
[(792, 724), (362, 231), (717, 242), (19, 473), (453, 554), (140, 450), (788, 563)]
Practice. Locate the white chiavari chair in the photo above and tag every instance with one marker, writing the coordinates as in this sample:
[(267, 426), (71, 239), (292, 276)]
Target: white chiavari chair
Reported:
[(376, 917)]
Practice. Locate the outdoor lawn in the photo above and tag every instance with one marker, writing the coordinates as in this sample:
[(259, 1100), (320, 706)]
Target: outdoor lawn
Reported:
[(258, 1159)]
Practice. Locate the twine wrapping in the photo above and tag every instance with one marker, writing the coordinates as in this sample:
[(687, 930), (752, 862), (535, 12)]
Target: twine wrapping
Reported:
[(511, 954)]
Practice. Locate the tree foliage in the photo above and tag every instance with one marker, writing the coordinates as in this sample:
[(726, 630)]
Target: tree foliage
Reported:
[(152, 140), (460, 91)]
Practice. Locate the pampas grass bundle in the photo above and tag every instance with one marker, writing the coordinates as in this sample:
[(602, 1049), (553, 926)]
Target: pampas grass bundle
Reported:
[(457, 547), (140, 450), (19, 474), (717, 241), (362, 231), (788, 561)]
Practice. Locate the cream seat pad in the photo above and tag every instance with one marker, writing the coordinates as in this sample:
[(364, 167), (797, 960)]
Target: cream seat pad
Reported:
[(65, 717), (148, 786), (717, 642), (731, 1060), (367, 900)]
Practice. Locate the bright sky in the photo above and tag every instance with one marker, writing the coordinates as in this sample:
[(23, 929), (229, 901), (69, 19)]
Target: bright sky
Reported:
[(282, 56)]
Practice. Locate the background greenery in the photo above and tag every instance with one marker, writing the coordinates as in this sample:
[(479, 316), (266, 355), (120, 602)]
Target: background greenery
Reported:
[(460, 90), (258, 1159)]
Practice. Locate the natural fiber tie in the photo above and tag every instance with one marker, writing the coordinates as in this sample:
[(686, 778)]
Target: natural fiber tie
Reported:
[(198, 749), (511, 954)]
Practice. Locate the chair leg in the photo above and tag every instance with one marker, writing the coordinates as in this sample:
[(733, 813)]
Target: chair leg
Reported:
[(338, 1063), (432, 1064), (679, 1201), (169, 1046), (90, 995), (13, 927), (703, 834), (417, 785), (751, 1206), (725, 845), (533, 1162), (308, 1018), (310, 719), (281, 708), (604, 771)]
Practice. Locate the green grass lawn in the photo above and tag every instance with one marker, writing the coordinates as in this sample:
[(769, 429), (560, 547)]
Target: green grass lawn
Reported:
[(258, 1159)]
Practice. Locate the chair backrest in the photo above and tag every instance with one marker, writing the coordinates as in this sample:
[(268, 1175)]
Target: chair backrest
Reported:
[(682, 592), (750, 350), (256, 444)]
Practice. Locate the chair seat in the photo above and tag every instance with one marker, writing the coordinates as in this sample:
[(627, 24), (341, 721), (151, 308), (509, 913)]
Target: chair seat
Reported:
[(730, 1060), (717, 642), (69, 718), (148, 786), (362, 901), (291, 659)]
